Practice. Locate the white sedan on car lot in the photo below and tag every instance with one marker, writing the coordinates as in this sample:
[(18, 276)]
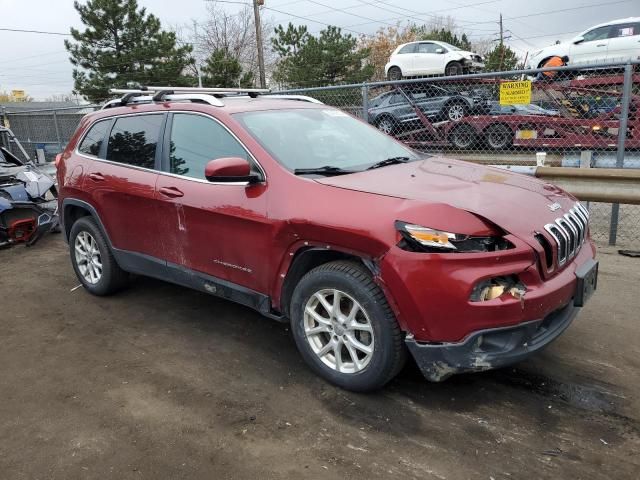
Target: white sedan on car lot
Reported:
[(611, 42), (431, 58)]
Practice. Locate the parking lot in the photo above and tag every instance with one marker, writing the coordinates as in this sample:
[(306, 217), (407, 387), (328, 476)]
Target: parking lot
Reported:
[(163, 382)]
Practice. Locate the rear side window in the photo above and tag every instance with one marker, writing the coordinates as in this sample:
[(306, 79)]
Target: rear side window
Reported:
[(195, 140), (92, 141), (599, 33), (408, 48), (134, 139), (625, 30)]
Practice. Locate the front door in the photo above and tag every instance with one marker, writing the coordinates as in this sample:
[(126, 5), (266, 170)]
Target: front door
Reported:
[(592, 49), (220, 229), (121, 180), (426, 59)]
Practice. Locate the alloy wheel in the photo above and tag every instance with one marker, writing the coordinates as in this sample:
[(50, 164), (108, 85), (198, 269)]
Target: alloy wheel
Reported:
[(386, 126), (455, 112), (339, 331), (88, 259)]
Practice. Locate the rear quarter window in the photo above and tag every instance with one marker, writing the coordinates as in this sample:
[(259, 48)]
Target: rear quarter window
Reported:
[(92, 141)]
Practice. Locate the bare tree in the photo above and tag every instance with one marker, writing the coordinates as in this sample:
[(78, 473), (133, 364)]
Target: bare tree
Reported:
[(232, 32)]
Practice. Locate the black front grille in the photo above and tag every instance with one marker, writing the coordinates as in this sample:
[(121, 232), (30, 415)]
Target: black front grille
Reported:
[(569, 232)]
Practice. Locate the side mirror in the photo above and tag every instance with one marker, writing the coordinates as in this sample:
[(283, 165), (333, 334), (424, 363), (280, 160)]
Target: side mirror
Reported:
[(578, 40), (439, 50), (230, 169)]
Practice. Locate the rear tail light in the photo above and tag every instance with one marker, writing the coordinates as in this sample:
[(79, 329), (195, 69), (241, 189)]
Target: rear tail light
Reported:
[(58, 159)]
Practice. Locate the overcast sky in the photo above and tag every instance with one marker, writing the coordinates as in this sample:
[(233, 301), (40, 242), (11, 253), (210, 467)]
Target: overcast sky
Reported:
[(39, 64)]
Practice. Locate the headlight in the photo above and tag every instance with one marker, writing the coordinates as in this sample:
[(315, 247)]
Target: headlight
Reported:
[(424, 239)]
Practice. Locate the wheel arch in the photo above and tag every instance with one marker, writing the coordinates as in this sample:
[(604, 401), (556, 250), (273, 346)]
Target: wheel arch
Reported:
[(74, 209), (306, 259)]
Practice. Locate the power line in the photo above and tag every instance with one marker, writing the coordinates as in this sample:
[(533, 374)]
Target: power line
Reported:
[(19, 30)]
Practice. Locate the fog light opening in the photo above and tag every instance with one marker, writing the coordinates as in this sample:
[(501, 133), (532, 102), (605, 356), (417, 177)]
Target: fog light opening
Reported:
[(497, 287)]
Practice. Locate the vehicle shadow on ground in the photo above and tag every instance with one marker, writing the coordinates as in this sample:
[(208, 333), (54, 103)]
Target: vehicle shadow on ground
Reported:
[(271, 345)]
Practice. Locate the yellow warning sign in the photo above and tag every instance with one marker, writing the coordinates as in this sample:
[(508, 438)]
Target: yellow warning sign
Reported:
[(515, 93), (18, 94)]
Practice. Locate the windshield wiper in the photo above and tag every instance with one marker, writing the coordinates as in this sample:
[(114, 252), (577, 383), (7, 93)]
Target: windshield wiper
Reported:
[(326, 170), (389, 161)]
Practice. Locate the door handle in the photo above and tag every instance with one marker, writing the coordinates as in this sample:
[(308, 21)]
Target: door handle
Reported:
[(601, 45), (96, 177), (172, 192)]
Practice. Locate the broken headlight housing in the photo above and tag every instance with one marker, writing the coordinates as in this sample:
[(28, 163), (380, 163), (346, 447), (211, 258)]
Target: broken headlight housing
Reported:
[(417, 238)]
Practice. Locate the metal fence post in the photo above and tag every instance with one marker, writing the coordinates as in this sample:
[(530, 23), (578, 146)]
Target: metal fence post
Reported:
[(622, 138), (57, 127), (365, 102)]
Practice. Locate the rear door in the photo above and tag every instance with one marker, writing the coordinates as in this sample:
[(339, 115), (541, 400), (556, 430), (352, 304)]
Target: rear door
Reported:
[(624, 42), (593, 49), (220, 229), (121, 182)]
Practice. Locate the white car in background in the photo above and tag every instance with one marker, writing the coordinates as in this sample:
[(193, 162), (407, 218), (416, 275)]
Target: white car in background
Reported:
[(617, 41), (431, 58)]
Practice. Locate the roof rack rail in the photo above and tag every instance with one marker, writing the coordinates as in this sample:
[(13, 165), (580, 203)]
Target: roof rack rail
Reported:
[(150, 94)]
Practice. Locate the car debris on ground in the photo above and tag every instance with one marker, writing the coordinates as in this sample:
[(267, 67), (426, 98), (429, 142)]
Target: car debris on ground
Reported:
[(28, 200)]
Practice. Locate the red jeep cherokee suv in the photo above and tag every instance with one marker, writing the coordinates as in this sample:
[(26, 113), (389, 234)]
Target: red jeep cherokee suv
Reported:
[(308, 215)]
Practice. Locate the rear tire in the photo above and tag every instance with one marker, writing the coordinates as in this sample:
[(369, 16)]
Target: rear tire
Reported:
[(359, 351), (463, 136), (394, 73), (498, 137), (92, 259)]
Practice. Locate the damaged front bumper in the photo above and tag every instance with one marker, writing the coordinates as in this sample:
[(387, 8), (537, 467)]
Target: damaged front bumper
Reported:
[(490, 348)]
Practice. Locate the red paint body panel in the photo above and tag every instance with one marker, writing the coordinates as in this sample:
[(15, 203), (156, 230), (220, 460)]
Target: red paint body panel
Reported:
[(249, 235)]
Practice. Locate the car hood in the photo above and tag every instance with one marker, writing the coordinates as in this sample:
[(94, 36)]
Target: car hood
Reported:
[(517, 203)]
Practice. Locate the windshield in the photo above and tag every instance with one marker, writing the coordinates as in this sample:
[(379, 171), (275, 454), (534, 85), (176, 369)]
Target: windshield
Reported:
[(449, 46), (316, 138)]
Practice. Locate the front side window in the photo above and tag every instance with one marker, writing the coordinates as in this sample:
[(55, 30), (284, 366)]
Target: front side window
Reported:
[(92, 141), (320, 137), (599, 33), (195, 140), (428, 47), (134, 139)]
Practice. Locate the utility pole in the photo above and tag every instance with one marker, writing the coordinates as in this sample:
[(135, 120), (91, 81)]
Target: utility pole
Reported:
[(501, 43), (256, 14)]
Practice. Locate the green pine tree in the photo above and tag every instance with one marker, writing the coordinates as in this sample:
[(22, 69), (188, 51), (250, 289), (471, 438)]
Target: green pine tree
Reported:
[(224, 70), (327, 59), (443, 35), (123, 45), (500, 59)]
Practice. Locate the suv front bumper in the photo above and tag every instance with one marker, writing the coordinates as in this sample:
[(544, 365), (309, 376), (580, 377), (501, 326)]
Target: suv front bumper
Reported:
[(490, 348)]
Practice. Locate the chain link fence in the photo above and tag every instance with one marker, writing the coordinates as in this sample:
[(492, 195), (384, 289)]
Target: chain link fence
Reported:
[(48, 130), (562, 117)]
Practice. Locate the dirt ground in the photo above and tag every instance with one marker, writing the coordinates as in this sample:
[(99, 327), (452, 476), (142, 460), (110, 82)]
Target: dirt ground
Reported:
[(162, 382)]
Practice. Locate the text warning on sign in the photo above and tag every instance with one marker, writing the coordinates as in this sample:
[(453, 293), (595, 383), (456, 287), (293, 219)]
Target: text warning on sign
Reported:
[(515, 93)]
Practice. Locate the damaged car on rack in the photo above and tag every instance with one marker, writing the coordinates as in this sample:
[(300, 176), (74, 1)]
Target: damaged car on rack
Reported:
[(28, 201)]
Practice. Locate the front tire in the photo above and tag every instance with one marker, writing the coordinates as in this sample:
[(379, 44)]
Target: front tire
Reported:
[(344, 328), (453, 68), (455, 111), (92, 259)]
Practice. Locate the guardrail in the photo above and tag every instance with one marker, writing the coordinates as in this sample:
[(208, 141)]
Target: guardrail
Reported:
[(610, 185)]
